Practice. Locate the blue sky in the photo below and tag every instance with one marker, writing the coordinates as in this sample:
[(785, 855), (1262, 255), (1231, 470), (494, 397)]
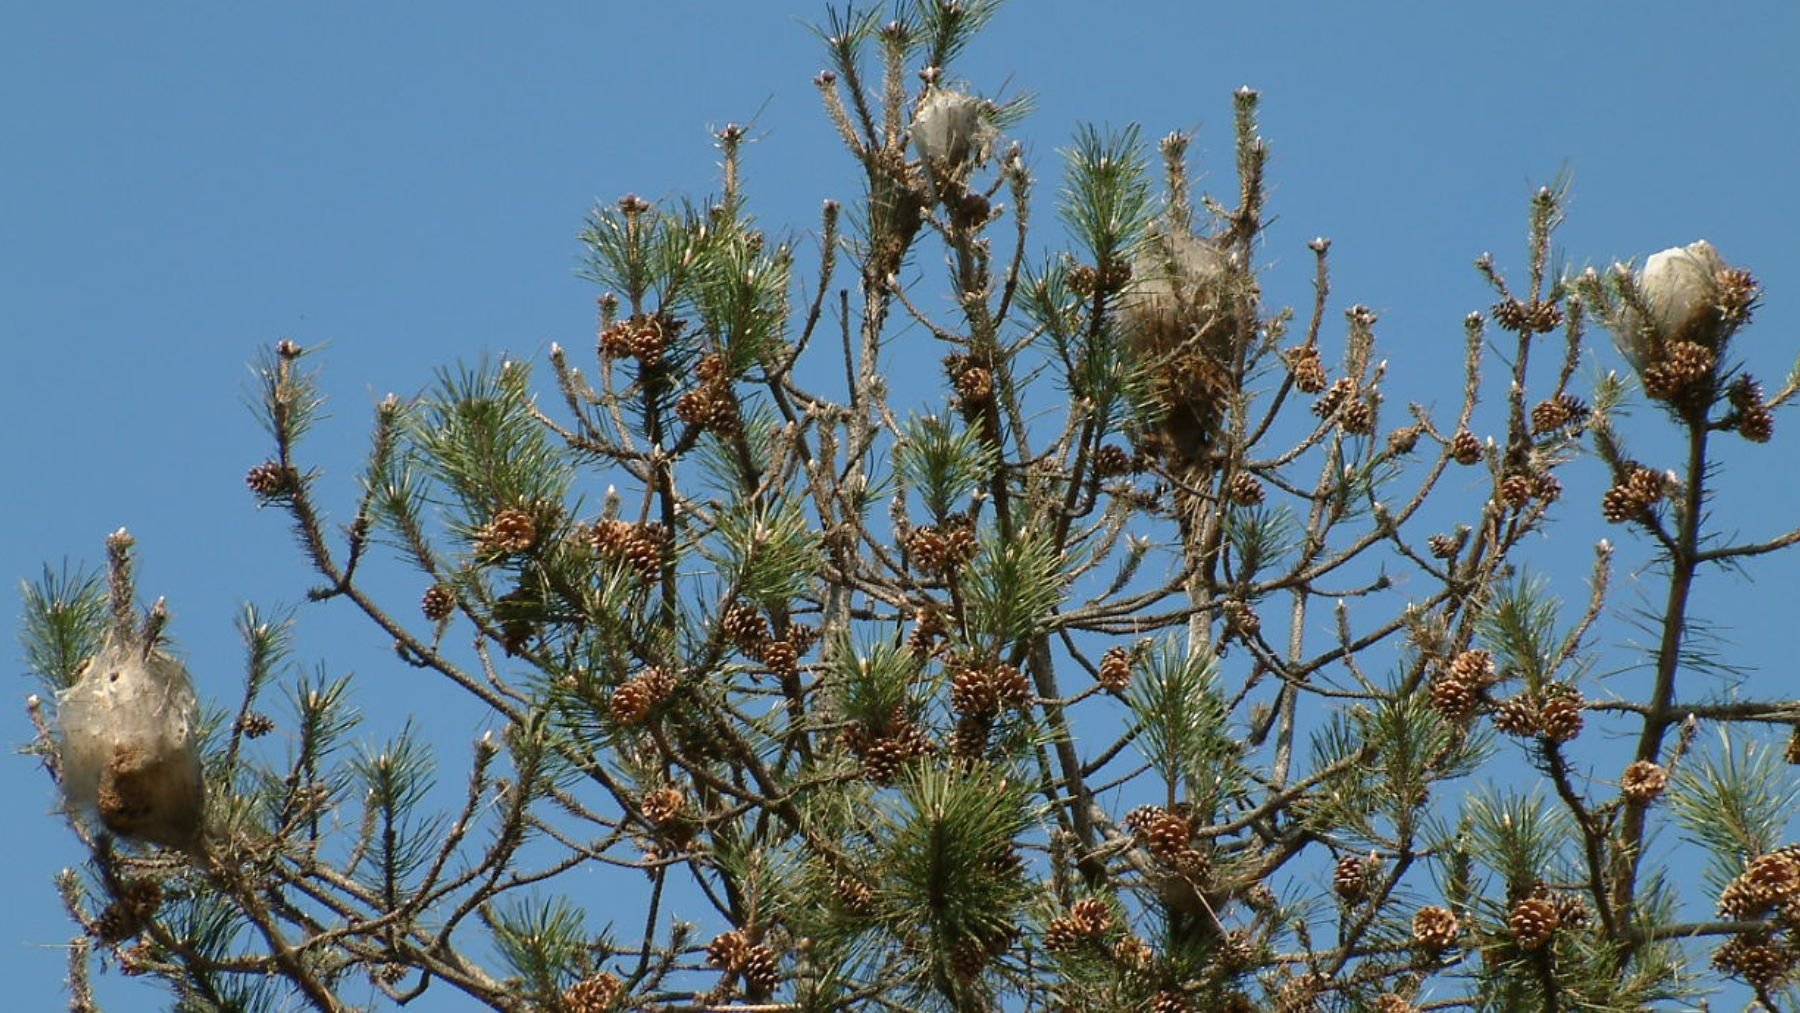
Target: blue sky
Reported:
[(182, 183)]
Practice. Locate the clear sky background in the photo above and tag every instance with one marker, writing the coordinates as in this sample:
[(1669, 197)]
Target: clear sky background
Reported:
[(182, 183)]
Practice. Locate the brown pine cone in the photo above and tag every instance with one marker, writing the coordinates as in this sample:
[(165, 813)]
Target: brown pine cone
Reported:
[(1454, 697), (744, 626), (975, 385), (1643, 781), (1684, 367), (970, 739), (1401, 441), (1132, 952), (1443, 546), (1115, 669), (1559, 718), (255, 725), (1792, 751), (1011, 688), (761, 971), (972, 692), (1241, 621), (1768, 880), (1435, 928), (854, 894), (1358, 417), (663, 806), (1465, 448), (1511, 314), (1062, 935), (437, 603), (1309, 372), (633, 702), (1091, 916), (1532, 922), (269, 480), (1546, 487), (1350, 879), (1170, 1001), (596, 994), (1558, 412), (1245, 489), (1517, 715), (1754, 958), (1517, 489), (1111, 461), (727, 950), (1342, 390), (781, 658), (509, 531)]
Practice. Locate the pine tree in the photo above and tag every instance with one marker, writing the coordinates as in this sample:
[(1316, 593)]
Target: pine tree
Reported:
[(1147, 657)]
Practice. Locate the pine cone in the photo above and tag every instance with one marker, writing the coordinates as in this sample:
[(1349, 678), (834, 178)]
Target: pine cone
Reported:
[(596, 994), (1517, 488), (781, 658), (1111, 461), (1559, 719), (727, 950), (255, 725), (269, 480), (975, 385), (1769, 880), (854, 894), (1358, 417), (1464, 447), (1351, 878), (1546, 487), (1454, 697), (1643, 781), (1167, 835), (1245, 489), (1629, 497), (744, 626), (1532, 922), (972, 693), (1511, 314), (1754, 422), (663, 806), (761, 971), (1558, 412), (970, 740), (1132, 952), (1474, 665), (1342, 390), (437, 603), (1517, 715), (632, 702), (1685, 368), (1757, 424), (1011, 688), (1443, 546), (1401, 441), (1792, 752), (1170, 1001), (1062, 935), (1309, 372), (1435, 928), (1241, 621), (1091, 916), (1755, 959), (509, 531), (1115, 669)]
